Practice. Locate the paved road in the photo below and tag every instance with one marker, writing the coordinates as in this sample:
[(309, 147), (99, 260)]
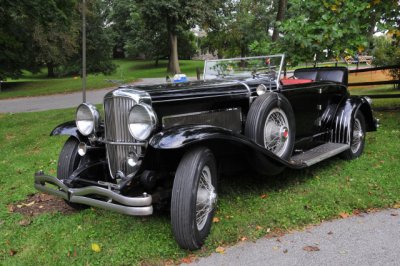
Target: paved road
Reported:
[(370, 239), (60, 101)]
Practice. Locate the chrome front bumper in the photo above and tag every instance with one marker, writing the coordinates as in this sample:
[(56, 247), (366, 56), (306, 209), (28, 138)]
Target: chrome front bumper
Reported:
[(138, 206)]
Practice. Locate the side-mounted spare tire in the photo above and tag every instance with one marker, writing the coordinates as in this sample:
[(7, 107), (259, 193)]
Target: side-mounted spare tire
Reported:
[(271, 124)]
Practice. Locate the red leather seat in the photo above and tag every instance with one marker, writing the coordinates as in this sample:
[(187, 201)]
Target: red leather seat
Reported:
[(295, 81)]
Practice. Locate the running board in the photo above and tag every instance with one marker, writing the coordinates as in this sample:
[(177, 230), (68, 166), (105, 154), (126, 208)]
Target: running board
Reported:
[(319, 153)]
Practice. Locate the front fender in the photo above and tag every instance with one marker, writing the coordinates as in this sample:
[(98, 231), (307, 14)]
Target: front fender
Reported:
[(69, 129), (220, 140)]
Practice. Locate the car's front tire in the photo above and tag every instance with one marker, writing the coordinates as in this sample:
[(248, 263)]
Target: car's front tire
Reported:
[(68, 162), (194, 198), (357, 141)]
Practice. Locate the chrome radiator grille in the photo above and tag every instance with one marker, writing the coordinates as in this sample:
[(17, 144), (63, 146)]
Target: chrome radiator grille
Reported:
[(116, 111)]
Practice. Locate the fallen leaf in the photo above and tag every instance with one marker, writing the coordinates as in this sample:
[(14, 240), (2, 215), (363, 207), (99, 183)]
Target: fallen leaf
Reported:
[(285, 251), (24, 222), (268, 230), (75, 253), (259, 227), (343, 215), (396, 206), (275, 248), (278, 240), (11, 208), (19, 206), (29, 204), (311, 248), (356, 212), (12, 252), (96, 247), (330, 233), (188, 259), (216, 220), (220, 250), (243, 238), (393, 214), (263, 196)]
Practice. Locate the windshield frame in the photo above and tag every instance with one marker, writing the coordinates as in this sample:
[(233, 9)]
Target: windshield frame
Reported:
[(278, 74)]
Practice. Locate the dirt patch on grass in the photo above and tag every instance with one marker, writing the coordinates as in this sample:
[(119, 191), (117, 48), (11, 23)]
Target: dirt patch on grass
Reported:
[(40, 203)]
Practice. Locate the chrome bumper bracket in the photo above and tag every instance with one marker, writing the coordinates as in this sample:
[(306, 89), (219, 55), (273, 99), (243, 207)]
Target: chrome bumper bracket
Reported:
[(136, 206)]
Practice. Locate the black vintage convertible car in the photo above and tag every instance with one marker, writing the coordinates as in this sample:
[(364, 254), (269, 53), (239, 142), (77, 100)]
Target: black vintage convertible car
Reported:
[(167, 143)]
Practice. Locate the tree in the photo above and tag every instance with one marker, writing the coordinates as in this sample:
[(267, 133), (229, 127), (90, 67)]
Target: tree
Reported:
[(387, 53), (280, 16), (176, 16), (37, 33), (334, 26), (240, 24)]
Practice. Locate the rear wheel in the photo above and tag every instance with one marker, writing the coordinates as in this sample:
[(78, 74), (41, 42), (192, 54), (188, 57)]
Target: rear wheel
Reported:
[(68, 162), (357, 140), (194, 198)]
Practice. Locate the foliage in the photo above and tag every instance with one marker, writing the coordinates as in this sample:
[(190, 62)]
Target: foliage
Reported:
[(335, 26), (247, 206), (47, 32), (240, 24), (175, 17), (387, 53)]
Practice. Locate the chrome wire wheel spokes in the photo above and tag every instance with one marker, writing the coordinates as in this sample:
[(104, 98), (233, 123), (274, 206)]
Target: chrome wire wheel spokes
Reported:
[(206, 198), (276, 132), (358, 136)]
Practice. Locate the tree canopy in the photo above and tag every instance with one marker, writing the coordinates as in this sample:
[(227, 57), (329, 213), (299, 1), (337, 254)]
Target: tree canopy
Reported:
[(47, 33)]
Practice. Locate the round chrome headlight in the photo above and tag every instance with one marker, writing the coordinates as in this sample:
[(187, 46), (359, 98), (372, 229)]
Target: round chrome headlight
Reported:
[(261, 89), (87, 119), (141, 121)]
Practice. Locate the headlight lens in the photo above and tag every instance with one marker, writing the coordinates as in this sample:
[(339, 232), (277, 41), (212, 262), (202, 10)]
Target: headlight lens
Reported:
[(142, 121), (87, 119)]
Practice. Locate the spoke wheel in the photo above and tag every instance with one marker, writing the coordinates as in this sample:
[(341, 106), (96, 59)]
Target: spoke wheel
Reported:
[(270, 123), (194, 198), (357, 138), (276, 132)]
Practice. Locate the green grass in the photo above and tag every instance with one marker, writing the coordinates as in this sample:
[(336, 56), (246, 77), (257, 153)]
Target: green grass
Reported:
[(294, 199), (387, 103), (127, 71)]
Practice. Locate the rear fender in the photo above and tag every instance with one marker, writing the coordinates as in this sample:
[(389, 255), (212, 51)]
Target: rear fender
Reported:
[(342, 124)]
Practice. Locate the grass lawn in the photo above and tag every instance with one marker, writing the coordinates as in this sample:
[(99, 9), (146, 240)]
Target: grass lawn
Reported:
[(248, 207), (127, 71)]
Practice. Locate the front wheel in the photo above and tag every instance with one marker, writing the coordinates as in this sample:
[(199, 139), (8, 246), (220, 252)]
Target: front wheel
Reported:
[(194, 198), (357, 140), (68, 162)]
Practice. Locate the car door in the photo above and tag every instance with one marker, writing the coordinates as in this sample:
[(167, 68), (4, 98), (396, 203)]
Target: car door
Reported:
[(305, 99)]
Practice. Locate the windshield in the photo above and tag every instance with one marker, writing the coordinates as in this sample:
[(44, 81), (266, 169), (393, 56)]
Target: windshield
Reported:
[(269, 67)]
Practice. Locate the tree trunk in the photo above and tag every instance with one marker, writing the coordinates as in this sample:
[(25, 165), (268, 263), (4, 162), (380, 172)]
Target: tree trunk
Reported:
[(173, 64), (156, 63), (50, 70), (280, 16)]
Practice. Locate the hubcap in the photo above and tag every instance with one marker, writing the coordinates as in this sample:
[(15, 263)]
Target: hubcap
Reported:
[(276, 132), (206, 198), (358, 136)]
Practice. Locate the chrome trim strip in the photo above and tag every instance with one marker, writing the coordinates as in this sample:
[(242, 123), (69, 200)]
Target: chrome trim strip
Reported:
[(249, 90), (202, 97), (141, 144)]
